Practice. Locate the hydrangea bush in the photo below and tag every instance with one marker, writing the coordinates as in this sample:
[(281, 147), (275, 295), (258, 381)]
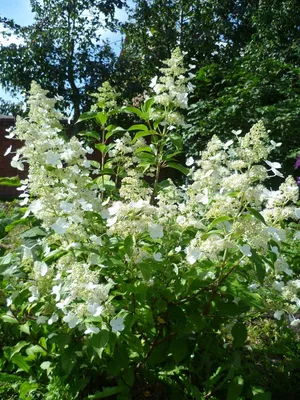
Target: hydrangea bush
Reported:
[(125, 278)]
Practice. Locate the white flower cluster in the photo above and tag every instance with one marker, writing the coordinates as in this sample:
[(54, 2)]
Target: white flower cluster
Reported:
[(172, 89), (226, 209), (59, 171)]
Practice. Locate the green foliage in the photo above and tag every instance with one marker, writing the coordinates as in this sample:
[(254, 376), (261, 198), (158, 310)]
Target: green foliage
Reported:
[(260, 83), (156, 27), (115, 283)]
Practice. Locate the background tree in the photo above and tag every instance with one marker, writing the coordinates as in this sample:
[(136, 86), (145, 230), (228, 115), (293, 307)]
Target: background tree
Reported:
[(62, 50), (207, 31), (10, 108), (262, 82)]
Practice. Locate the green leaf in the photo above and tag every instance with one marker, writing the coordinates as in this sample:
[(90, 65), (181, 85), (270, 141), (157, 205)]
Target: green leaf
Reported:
[(118, 129), (32, 350), (45, 365), (256, 214), (105, 171), (239, 290), (101, 117), (171, 157), (9, 319), (92, 134), (239, 333), (110, 131), (20, 362), (68, 360), (101, 147), (17, 222), (178, 349), (179, 167), (26, 388), (13, 181), (147, 105), (146, 149), (86, 116), (33, 232), (99, 341), (235, 388), (138, 127), (133, 110), (218, 220), (16, 349), (25, 328), (9, 378), (259, 266), (6, 260), (141, 134), (128, 245), (176, 140), (95, 164), (146, 270)]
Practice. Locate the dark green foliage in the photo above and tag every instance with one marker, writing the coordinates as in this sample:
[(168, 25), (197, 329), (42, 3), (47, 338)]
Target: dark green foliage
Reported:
[(261, 83)]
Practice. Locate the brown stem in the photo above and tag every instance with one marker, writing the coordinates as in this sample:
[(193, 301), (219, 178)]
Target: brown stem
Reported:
[(215, 289), (155, 183), (153, 344)]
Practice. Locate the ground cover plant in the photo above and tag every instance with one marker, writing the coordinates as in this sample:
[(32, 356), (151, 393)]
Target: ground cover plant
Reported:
[(121, 285)]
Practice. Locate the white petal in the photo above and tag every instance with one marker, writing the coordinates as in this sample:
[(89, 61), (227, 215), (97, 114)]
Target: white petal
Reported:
[(8, 151)]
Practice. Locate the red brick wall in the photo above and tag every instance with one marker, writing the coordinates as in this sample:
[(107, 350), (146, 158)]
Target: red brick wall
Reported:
[(6, 170)]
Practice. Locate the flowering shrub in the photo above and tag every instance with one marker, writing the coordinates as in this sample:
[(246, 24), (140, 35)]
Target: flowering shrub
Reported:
[(131, 279)]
